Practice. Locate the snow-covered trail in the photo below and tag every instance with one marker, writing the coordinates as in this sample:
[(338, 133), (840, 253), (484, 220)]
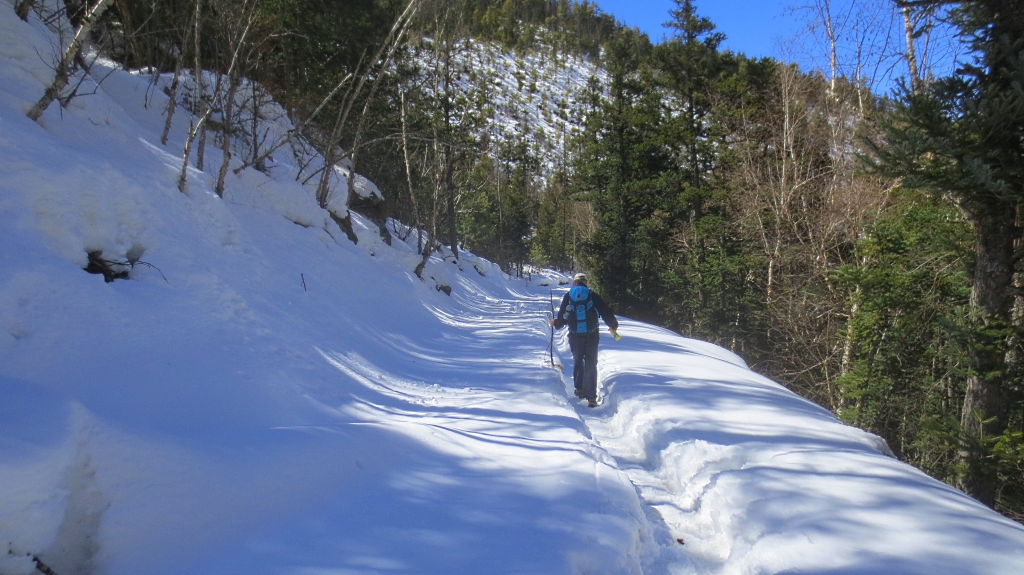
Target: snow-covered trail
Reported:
[(498, 472)]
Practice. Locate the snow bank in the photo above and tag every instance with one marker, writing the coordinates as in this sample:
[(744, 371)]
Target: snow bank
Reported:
[(755, 479)]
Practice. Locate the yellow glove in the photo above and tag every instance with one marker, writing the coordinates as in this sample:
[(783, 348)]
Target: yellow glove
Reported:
[(615, 333)]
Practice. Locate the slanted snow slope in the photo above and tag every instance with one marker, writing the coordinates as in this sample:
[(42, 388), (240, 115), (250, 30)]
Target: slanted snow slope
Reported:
[(229, 420)]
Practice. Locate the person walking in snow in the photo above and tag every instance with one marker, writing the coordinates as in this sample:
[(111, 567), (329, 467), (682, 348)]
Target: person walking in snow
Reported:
[(579, 310)]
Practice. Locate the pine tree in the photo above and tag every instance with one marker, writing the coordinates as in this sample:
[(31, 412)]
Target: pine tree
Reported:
[(557, 234), (910, 287), (696, 274), (619, 168), (498, 215), (963, 138)]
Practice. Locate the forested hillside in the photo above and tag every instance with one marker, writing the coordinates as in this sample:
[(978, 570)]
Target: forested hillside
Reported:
[(861, 247)]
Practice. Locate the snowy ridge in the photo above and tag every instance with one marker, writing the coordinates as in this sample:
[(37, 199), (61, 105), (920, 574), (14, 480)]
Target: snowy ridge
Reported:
[(272, 399)]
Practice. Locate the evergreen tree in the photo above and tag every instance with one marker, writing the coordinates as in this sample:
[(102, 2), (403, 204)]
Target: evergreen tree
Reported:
[(665, 247), (963, 137), (557, 236), (701, 274), (619, 168), (498, 215), (910, 288)]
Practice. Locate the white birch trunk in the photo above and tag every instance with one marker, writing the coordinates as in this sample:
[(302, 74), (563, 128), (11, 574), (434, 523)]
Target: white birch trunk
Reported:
[(63, 71)]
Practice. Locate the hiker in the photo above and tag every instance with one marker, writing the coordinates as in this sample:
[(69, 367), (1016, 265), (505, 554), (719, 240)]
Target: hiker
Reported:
[(579, 310)]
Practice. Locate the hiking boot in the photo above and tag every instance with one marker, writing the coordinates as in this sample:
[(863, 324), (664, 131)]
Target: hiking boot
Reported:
[(579, 393), (592, 403)]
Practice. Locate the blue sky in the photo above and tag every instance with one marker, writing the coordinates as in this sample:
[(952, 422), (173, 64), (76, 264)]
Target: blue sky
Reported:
[(754, 27), (777, 28)]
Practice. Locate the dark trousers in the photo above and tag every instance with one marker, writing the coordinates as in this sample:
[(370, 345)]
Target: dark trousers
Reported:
[(584, 357)]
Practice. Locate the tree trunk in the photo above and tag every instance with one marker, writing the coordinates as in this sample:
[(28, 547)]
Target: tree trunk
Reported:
[(183, 175), (198, 124), (432, 231), (225, 145), (172, 102), (908, 29), (197, 74), (984, 410), (63, 71), (23, 8), (453, 229), (408, 179), (257, 162), (201, 150), (389, 45), (425, 256), (825, 11)]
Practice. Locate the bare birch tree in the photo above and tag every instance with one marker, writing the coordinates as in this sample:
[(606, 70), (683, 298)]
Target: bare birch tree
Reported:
[(247, 16), (331, 151), (172, 90), (65, 66)]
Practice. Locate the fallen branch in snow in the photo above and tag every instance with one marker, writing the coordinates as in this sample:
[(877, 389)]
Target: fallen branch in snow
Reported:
[(114, 269), (152, 266), (43, 567), (110, 269)]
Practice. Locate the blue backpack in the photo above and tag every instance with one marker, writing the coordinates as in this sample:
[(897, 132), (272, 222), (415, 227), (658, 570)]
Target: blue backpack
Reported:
[(580, 304)]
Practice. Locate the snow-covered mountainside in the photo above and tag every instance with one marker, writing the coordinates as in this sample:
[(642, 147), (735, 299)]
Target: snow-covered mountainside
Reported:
[(534, 94), (533, 97), (262, 396)]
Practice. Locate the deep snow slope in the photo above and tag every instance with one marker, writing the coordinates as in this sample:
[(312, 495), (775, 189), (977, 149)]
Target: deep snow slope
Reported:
[(272, 399)]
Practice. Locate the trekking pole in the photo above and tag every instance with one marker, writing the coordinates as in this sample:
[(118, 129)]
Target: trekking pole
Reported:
[(551, 344)]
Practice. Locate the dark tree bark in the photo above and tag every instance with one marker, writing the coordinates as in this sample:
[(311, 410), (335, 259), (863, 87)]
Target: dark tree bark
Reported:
[(23, 8), (452, 215), (992, 297), (172, 102), (225, 145)]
